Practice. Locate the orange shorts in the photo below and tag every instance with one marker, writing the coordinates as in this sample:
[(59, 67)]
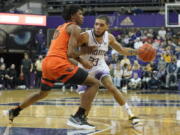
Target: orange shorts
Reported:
[(57, 69)]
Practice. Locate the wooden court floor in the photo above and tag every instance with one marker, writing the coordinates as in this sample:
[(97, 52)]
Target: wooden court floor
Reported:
[(158, 110)]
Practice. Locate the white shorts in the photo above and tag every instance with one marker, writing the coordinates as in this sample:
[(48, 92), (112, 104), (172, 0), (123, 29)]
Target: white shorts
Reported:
[(98, 74)]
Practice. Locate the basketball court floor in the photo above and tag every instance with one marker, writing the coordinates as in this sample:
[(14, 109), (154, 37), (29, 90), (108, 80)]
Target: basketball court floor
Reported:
[(158, 110)]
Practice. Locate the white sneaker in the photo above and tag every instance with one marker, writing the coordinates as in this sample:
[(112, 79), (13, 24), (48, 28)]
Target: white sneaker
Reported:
[(135, 121), (124, 90)]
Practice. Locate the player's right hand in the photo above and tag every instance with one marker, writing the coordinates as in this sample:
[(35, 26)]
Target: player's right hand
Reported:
[(87, 64)]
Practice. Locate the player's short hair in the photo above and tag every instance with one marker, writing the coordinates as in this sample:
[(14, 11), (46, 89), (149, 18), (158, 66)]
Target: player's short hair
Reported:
[(104, 17), (69, 11)]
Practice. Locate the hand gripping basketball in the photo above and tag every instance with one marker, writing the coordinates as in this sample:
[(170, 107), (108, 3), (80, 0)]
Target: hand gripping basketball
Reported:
[(147, 53)]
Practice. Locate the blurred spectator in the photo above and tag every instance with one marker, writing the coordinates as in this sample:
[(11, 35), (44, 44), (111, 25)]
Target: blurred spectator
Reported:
[(136, 68), (124, 61), (147, 73), (1, 61), (2, 76), (154, 65), (21, 82), (12, 77), (114, 52), (125, 40), (16, 11), (144, 35), (171, 46), (38, 71), (162, 33), (136, 10), (111, 70), (154, 82), (167, 44), (171, 70), (138, 43), (167, 57), (178, 63), (115, 57), (177, 53), (118, 37), (41, 42), (169, 33), (178, 73), (117, 75), (156, 42), (161, 68), (126, 73), (26, 69), (135, 82)]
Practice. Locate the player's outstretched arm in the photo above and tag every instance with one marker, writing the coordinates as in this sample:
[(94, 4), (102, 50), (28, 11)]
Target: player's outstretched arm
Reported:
[(119, 48)]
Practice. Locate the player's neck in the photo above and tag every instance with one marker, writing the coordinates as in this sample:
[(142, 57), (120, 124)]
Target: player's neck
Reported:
[(98, 36), (73, 21)]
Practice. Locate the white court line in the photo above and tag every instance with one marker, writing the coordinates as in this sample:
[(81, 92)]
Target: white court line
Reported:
[(108, 128), (6, 132), (9, 125)]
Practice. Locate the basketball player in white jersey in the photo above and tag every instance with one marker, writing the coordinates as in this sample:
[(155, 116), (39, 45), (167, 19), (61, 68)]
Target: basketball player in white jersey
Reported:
[(100, 37)]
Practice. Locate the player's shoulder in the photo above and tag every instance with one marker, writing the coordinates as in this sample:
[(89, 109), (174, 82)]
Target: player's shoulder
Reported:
[(111, 37), (73, 27)]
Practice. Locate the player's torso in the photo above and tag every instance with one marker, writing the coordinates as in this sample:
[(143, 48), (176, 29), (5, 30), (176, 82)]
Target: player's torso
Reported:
[(59, 43), (97, 57)]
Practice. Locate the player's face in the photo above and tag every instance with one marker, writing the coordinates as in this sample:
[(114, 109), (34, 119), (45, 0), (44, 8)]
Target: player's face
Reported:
[(100, 27), (79, 17)]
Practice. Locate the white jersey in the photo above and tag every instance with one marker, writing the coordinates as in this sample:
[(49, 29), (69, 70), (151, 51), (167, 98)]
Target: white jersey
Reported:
[(97, 57)]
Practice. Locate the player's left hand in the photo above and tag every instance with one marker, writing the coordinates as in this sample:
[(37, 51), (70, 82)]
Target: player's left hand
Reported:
[(87, 64)]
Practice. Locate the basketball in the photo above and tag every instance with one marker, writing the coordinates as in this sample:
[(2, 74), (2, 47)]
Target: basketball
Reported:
[(147, 53)]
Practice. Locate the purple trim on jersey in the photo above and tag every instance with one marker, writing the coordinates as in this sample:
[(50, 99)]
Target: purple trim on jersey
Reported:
[(101, 74), (98, 75), (82, 88)]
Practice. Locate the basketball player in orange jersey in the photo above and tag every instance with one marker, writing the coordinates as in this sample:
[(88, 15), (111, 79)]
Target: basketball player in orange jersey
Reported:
[(57, 67), (100, 37)]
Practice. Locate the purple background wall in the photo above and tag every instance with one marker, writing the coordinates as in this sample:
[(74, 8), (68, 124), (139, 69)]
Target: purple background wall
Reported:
[(173, 18), (141, 20)]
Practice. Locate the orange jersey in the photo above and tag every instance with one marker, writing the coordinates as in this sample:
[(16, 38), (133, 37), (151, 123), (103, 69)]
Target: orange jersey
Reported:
[(59, 43), (56, 65), (54, 68)]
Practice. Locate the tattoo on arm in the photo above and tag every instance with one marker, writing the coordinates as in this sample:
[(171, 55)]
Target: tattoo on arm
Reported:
[(132, 52)]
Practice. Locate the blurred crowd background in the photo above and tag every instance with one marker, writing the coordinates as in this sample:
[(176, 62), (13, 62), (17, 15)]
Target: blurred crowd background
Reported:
[(22, 48)]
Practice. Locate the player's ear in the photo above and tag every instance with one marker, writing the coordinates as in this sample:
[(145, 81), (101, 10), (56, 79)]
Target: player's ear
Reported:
[(73, 16)]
